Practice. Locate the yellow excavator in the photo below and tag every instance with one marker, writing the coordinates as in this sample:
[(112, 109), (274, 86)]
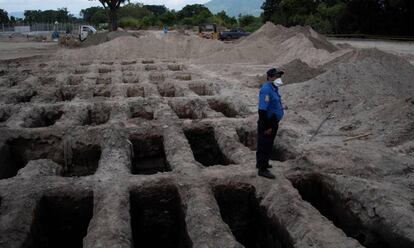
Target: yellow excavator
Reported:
[(208, 31)]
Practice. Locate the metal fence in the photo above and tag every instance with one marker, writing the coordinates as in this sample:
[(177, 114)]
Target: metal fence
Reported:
[(39, 27)]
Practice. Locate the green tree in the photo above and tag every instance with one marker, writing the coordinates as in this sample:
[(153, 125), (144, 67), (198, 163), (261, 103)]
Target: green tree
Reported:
[(32, 16), (187, 21), (88, 13), (134, 10), (344, 16), (150, 20), (202, 17), (270, 7), (250, 23), (62, 15), (222, 19), (100, 16), (47, 16), (246, 20), (112, 6), (4, 16), (129, 22), (318, 23), (168, 18), (193, 10), (329, 13), (157, 10), (398, 17)]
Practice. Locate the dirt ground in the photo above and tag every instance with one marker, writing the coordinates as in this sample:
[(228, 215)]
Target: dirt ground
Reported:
[(402, 48), (149, 141), (11, 50)]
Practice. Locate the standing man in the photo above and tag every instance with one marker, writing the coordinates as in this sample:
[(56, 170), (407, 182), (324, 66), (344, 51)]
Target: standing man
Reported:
[(270, 113)]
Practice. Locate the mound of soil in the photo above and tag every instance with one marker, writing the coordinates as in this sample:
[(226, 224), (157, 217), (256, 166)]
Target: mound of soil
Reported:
[(102, 37), (368, 91)]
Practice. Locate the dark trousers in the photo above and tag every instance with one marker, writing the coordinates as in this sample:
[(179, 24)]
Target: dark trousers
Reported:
[(264, 145)]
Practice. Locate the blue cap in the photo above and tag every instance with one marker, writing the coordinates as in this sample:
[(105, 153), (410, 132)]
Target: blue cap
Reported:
[(274, 72)]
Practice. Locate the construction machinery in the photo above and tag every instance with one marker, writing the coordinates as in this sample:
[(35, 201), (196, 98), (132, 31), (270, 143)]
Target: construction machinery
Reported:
[(208, 31)]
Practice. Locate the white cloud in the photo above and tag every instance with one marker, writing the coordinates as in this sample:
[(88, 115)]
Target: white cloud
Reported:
[(74, 6)]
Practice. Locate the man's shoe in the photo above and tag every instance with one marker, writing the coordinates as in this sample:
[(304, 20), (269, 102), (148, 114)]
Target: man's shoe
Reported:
[(266, 173), (268, 166)]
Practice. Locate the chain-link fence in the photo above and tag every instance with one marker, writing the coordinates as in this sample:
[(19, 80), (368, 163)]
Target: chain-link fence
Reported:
[(39, 27)]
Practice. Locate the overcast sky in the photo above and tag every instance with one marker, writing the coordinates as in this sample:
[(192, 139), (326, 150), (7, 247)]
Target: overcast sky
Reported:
[(74, 6)]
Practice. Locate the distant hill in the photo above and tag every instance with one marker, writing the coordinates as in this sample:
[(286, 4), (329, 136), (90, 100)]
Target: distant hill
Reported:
[(236, 7)]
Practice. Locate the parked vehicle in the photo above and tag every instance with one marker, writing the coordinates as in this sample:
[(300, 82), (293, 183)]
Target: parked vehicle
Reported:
[(85, 30), (233, 34)]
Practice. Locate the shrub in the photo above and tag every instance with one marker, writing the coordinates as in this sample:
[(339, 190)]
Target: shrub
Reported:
[(129, 22)]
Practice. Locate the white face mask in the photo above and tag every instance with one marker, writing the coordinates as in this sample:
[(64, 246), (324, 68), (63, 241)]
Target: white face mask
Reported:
[(278, 82)]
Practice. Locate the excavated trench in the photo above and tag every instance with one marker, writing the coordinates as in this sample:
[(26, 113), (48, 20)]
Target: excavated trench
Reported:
[(135, 91), (166, 90), (248, 138), (241, 210), (151, 68), (336, 208), (42, 118), (130, 78), (279, 152), (84, 160), (5, 114), (81, 159), (97, 115), (104, 70), (74, 80), (101, 92), (186, 110), (158, 218), (60, 221), (80, 71), (44, 80), (16, 153), (138, 110), (104, 80), (132, 62), (22, 96), (66, 93), (201, 89), (225, 108), (156, 77), (205, 148), (148, 155)]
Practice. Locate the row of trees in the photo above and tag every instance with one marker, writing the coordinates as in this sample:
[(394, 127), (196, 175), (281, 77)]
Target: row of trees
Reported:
[(38, 16), (138, 16), (381, 17)]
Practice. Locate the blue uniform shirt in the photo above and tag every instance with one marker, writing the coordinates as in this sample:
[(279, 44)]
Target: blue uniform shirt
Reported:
[(270, 100)]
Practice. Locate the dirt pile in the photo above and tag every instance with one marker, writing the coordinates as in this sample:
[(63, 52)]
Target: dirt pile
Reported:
[(103, 37), (152, 45), (279, 34), (280, 45), (369, 91), (297, 71), (69, 42), (270, 44)]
